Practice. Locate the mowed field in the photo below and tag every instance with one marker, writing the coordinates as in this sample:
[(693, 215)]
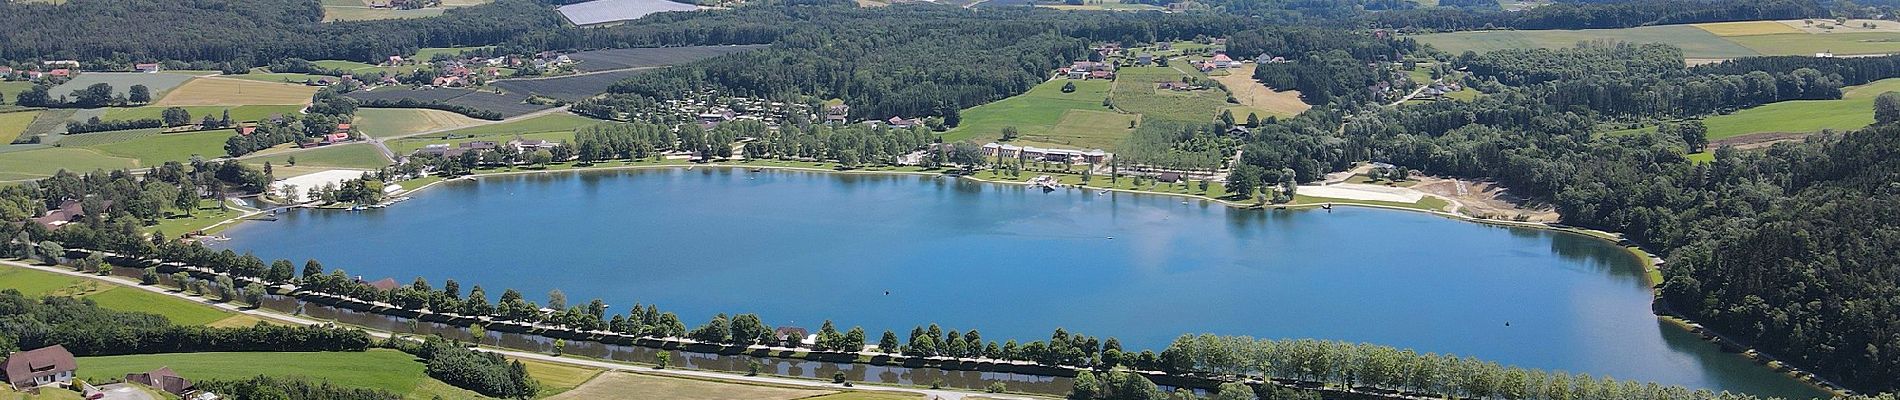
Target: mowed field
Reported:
[(34, 283), (41, 163), (238, 113), (390, 122), (121, 81), (352, 155), (634, 386), (157, 149), (358, 10), (1260, 99), (384, 369), (14, 123), (1854, 110), (1047, 117), (1700, 41), (236, 92), (1695, 42), (1135, 92), (558, 127)]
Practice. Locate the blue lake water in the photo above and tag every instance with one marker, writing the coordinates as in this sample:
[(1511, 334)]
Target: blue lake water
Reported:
[(801, 247)]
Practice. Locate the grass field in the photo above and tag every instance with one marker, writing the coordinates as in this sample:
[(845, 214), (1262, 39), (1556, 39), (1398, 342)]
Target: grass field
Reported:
[(107, 137), (390, 122), (14, 123), (207, 213), (238, 113), (867, 396), (557, 378), (40, 163), (155, 150), (1807, 44), (1695, 42), (406, 146), (1259, 99), (1854, 110), (529, 128), (384, 369), (1746, 28), (357, 155), (1135, 92), (34, 283), (236, 92), (429, 53), (358, 67), (632, 386), (261, 76), (121, 81), (10, 90), (1046, 116)]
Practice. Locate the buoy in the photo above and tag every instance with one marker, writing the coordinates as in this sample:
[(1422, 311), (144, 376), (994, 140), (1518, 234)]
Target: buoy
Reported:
[(1111, 238)]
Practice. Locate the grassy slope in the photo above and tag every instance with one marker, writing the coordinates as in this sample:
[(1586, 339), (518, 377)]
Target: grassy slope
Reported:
[(557, 378), (1806, 44), (44, 162), (155, 150), (1039, 116), (179, 311), (357, 155), (13, 124), (1695, 42), (176, 223), (1135, 92), (384, 369), (1854, 110), (387, 122), (553, 127), (238, 113)]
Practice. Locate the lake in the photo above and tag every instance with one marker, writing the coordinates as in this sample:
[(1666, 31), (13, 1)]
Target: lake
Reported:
[(1013, 262)]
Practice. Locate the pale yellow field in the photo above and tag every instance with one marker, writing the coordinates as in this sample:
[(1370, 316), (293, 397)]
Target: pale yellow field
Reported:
[(1256, 96), (236, 92), (1852, 25), (393, 122), (14, 123), (629, 386), (1746, 28)]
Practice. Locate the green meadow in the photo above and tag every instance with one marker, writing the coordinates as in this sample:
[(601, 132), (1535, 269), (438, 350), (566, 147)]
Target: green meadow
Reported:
[(1045, 116)]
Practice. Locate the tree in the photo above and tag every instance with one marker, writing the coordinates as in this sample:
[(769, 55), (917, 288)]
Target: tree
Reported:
[(1086, 387), (556, 299), (138, 94), (1010, 133), (312, 269), (1244, 179), (1253, 120), (887, 343), (1887, 108), (175, 116), (1233, 391), (96, 95), (1068, 87)]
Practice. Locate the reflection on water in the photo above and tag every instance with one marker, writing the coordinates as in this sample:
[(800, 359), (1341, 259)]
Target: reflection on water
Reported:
[(891, 252)]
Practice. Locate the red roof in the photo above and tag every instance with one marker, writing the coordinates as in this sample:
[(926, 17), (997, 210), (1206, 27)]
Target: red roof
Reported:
[(246, 130), (61, 72), (386, 284), (342, 127), (1222, 57)]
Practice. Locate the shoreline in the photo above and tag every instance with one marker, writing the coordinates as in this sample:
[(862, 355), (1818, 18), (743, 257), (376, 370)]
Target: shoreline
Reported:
[(1651, 264)]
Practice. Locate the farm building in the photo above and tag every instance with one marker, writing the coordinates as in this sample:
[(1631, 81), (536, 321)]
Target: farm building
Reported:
[(1092, 156), (51, 365)]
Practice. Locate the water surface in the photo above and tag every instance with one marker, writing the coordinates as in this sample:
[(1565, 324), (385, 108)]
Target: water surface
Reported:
[(800, 247)]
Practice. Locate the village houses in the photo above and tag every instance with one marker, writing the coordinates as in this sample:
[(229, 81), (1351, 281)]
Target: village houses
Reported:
[(45, 366)]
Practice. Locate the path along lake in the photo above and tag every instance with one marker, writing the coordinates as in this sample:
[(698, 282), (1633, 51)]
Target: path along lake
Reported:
[(1014, 262)]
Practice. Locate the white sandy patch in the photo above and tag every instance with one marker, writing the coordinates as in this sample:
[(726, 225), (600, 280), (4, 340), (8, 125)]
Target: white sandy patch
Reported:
[(1355, 191), (316, 179)]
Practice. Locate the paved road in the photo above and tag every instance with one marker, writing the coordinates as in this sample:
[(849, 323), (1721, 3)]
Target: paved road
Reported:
[(124, 391), (615, 366)]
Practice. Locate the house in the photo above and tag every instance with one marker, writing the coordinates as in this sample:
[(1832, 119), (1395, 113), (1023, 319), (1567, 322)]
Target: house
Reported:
[(147, 67), (384, 285), (1824, 54), (51, 365), (1093, 156), (246, 130), (335, 138), (1222, 61), (68, 211), (395, 60), (837, 114), (717, 116), (530, 145), (447, 81), (1100, 74), (1168, 177), (62, 73), (1145, 59), (61, 63), (6, 71), (791, 335), (162, 379), (901, 123)]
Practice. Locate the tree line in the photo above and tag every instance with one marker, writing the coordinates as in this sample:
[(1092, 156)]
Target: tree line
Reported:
[(483, 372), (88, 330)]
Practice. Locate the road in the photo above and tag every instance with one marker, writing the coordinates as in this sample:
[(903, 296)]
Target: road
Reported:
[(606, 365)]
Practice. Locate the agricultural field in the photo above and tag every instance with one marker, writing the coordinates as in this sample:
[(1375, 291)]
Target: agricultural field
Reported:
[(364, 68), (33, 283), (508, 104), (1807, 44), (14, 123), (1257, 98), (635, 386), (1854, 110), (238, 113), (1105, 5), (1695, 42), (107, 137), (1047, 117), (352, 155), (41, 163), (10, 90), (429, 53), (384, 369), (390, 122), (605, 11), (236, 92), (1135, 92), (559, 127), (1746, 28), (293, 78), (567, 88), (121, 81), (601, 60), (358, 10), (557, 378), (155, 150), (49, 124)]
